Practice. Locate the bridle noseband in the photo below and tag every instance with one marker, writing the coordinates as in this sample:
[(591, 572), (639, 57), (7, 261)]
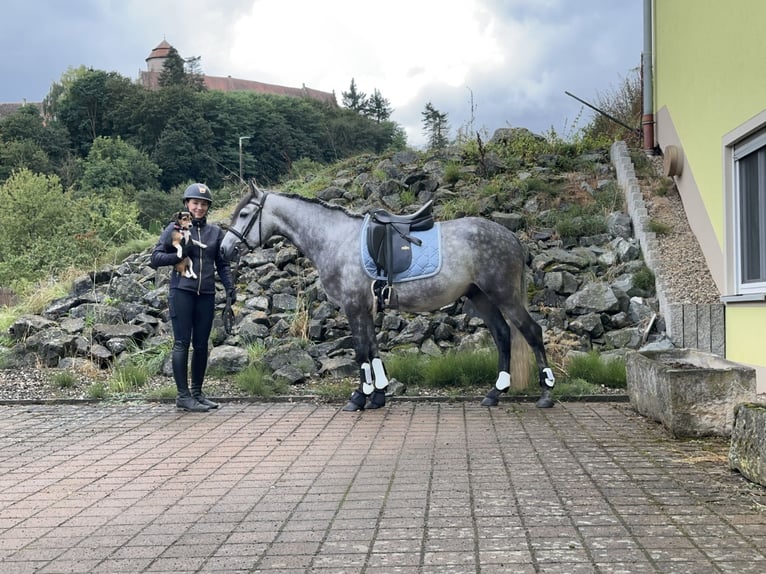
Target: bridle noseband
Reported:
[(249, 227)]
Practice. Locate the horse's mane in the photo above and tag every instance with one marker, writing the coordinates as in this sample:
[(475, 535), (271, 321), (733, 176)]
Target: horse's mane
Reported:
[(315, 200)]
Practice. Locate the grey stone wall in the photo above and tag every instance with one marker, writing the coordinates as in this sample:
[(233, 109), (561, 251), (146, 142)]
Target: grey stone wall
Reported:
[(690, 326)]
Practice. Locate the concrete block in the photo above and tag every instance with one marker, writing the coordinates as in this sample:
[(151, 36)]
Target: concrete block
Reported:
[(690, 392), (747, 452)]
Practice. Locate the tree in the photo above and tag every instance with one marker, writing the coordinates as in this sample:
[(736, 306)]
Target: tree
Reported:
[(173, 72), (31, 143), (378, 107), (113, 164), (179, 72), (47, 230), (194, 76), (353, 99), (435, 127), (87, 108), (183, 151)]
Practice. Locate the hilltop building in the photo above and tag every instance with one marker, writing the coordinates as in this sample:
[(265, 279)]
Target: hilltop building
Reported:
[(149, 78), (156, 61)]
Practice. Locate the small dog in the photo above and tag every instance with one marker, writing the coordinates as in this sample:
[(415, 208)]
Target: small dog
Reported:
[(181, 236)]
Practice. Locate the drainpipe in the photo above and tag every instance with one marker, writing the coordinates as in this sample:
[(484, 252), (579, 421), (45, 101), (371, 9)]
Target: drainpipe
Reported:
[(647, 119)]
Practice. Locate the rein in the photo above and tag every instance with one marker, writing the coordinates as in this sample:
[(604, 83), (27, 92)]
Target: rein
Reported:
[(227, 315)]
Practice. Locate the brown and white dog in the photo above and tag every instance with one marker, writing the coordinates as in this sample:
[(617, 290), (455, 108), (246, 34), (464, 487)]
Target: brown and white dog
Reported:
[(181, 236)]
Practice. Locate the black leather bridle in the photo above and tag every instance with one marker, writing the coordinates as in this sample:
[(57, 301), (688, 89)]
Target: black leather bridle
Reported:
[(256, 215)]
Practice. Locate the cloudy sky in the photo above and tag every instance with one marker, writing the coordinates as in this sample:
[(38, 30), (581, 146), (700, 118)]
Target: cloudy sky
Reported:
[(486, 63)]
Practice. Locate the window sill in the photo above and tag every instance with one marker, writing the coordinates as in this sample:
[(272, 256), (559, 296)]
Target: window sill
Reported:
[(746, 298)]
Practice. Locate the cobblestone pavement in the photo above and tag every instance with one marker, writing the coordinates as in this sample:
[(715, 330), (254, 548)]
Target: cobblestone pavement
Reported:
[(415, 487)]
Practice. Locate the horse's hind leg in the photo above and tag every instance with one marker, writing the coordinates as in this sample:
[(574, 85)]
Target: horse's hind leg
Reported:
[(501, 335), (533, 333)]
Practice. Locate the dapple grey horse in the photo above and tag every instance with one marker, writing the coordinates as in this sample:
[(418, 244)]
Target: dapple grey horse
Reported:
[(480, 260)]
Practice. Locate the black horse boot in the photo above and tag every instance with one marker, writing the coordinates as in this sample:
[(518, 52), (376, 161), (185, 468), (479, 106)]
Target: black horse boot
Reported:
[(184, 399), (359, 396), (198, 368)]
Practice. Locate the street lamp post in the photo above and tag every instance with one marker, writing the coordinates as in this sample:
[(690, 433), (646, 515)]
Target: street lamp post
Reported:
[(240, 156)]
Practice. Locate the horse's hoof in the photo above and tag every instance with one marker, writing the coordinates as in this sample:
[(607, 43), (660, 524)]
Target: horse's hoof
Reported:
[(544, 402), (492, 397), (352, 407), (377, 400)]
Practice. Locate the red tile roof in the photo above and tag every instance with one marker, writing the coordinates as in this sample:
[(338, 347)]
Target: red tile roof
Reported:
[(150, 79)]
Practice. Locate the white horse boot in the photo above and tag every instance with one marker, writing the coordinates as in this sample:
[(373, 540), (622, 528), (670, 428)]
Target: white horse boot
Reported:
[(502, 385), (378, 398)]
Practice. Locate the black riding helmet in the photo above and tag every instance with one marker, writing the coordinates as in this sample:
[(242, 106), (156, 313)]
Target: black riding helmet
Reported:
[(198, 191)]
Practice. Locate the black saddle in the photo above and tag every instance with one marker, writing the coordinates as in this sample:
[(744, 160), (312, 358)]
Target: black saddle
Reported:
[(389, 238)]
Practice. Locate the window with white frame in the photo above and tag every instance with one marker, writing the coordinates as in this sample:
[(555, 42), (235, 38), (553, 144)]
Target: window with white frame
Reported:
[(749, 171)]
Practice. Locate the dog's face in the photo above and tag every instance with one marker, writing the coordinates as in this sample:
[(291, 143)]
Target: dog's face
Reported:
[(184, 219)]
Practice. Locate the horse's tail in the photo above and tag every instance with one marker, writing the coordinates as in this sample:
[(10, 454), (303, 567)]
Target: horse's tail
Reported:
[(520, 349)]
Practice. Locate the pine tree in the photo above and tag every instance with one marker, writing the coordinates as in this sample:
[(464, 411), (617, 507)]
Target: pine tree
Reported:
[(353, 99), (378, 107), (435, 127)]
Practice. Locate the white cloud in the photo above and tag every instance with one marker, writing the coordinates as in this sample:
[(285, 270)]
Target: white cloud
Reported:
[(497, 62)]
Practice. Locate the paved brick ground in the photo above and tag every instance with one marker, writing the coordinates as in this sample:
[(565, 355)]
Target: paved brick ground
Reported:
[(413, 488)]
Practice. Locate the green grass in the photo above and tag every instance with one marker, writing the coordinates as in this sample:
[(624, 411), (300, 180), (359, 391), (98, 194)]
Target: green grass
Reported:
[(458, 371), (164, 392), (658, 227), (335, 390), (594, 369), (127, 379), (256, 382), (462, 369), (97, 391), (64, 380)]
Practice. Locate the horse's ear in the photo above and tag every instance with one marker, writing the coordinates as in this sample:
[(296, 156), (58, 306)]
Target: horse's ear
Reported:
[(254, 191)]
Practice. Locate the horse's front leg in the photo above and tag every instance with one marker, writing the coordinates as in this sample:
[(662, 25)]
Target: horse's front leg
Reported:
[(373, 380)]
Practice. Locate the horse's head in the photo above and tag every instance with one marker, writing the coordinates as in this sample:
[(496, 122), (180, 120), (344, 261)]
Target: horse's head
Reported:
[(245, 228)]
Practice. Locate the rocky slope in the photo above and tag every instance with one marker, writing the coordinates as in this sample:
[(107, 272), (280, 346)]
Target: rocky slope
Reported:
[(587, 290)]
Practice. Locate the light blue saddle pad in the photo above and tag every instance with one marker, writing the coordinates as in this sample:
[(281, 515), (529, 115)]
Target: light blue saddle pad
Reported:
[(426, 257)]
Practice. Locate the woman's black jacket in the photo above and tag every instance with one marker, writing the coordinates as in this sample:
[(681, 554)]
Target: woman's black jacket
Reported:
[(205, 261)]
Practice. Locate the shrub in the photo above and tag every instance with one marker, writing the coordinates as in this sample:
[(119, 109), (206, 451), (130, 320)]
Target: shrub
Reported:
[(623, 103), (644, 279)]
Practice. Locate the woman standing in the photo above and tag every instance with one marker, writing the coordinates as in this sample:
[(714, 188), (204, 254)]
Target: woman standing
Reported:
[(191, 300)]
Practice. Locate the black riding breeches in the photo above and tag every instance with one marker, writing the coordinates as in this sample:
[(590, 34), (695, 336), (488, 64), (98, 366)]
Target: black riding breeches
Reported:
[(192, 318)]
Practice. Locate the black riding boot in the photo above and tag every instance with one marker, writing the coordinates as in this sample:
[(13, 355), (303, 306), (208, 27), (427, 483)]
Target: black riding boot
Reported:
[(198, 368), (184, 400)]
